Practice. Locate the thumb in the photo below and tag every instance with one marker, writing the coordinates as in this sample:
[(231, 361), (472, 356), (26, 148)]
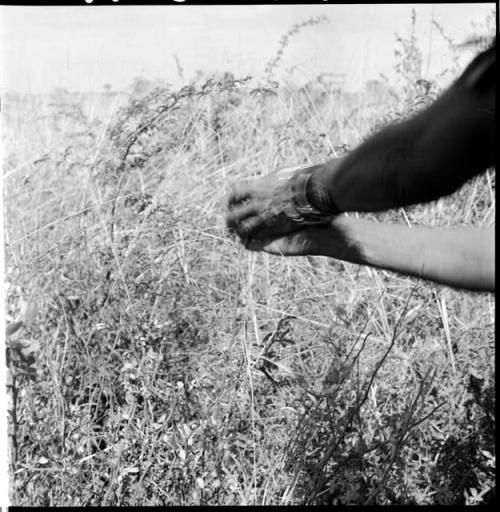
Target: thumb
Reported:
[(269, 245), (255, 244)]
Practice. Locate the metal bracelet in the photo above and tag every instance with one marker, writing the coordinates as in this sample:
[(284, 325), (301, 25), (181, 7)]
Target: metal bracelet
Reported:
[(298, 208)]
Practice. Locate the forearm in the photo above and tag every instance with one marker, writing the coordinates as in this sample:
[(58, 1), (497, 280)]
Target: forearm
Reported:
[(461, 258), (419, 160)]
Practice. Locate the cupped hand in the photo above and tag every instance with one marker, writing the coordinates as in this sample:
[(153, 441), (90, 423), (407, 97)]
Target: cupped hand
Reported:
[(256, 208), (307, 242), (336, 240)]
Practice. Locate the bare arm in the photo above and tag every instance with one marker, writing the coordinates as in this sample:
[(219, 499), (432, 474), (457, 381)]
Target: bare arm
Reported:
[(419, 160), (422, 159), (461, 258)]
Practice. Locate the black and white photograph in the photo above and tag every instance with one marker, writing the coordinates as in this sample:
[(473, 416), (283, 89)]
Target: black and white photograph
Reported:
[(248, 254)]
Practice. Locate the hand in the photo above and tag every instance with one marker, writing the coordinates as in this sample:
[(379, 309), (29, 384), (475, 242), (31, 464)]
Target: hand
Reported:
[(299, 243), (256, 208), (338, 240)]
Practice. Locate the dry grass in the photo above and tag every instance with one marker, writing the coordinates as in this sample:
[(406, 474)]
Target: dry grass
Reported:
[(157, 362)]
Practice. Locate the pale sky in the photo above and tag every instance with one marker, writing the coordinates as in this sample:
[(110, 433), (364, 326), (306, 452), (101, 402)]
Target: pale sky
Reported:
[(82, 48)]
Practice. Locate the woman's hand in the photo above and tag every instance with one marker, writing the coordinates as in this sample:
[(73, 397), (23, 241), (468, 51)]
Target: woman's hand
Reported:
[(256, 208), (336, 240), (461, 258), (299, 243)]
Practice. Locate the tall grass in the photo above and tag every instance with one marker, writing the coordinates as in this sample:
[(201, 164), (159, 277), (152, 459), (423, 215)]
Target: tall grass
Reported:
[(153, 361)]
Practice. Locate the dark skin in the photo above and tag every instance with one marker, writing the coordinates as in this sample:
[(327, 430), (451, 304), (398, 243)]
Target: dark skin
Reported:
[(425, 158), (419, 160)]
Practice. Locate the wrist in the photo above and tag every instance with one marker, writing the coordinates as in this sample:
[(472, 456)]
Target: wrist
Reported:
[(343, 240), (293, 199), (318, 187)]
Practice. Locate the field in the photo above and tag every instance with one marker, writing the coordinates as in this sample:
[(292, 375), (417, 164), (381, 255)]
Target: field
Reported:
[(154, 361)]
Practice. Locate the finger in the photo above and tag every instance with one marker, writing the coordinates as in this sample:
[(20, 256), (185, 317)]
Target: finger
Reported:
[(239, 192), (239, 213), (247, 227), (271, 246), (300, 243), (253, 244)]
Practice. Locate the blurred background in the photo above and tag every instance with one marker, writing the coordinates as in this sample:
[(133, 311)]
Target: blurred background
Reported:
[(83, 48)]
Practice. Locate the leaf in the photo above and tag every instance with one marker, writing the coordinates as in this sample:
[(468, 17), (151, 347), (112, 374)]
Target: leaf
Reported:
[(30, 312), (30, 347), (12, 328)]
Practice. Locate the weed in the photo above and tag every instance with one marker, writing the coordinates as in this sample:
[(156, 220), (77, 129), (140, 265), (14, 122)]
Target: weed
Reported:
[(153, 361)]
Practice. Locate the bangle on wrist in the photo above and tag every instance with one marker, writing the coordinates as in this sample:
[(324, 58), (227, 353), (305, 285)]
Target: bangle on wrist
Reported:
[(300, 208), (317, 188)]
